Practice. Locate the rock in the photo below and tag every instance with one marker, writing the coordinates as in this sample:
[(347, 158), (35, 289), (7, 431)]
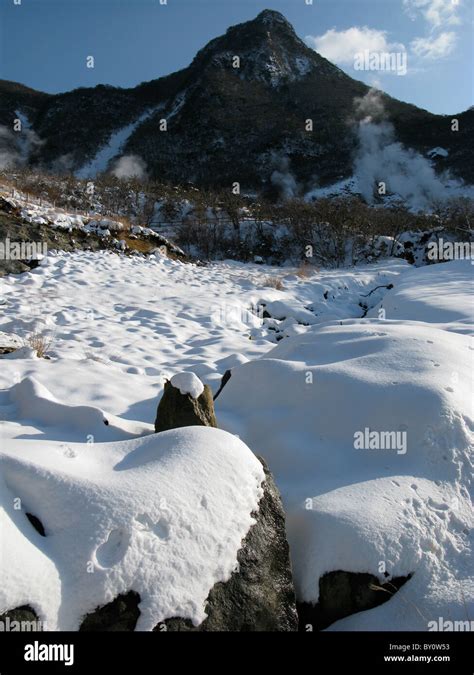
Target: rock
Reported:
[(182, 410), (7, 350), (344, 593), (8, 207), (21, 619), (259, 596), (119, 615)]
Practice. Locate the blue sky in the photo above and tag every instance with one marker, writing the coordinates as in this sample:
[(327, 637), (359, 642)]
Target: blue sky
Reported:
[(44, 43)]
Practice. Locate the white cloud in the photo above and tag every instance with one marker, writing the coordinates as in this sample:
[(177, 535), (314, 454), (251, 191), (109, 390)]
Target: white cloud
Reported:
[(342, 46), (434, 47), (436, 12)]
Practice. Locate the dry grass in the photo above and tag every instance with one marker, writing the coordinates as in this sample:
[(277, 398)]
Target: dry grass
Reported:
[(304, 270), (40, 343), (273, 282), (140, 245)]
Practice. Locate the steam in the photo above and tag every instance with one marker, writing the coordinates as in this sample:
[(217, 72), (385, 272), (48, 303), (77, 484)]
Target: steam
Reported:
[(9, 155), (283, 179), (130, 166), (382, 159), (17, 147)]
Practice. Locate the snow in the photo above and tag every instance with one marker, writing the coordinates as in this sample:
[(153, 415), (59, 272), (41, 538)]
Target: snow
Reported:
[(188, 383), (78, 445), (32, 401), (177, 104), (351, 509), (135, 515), (114, 146), (279, 309), (438, 152), (439, 294), (303, 65)]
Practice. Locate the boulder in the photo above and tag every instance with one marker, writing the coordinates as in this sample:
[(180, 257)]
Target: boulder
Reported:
[(119, 615), (183, 410), (16, 618), (344, 593), (259, 596)]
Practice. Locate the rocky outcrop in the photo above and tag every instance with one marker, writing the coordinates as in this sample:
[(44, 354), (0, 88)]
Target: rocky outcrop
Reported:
[(182, 410)]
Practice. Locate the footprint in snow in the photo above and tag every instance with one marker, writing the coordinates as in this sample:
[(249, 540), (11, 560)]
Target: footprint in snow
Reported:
[(113, 550), (161, 528)]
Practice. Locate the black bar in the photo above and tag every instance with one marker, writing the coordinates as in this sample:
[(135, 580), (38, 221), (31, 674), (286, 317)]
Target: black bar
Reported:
[(318, 653)]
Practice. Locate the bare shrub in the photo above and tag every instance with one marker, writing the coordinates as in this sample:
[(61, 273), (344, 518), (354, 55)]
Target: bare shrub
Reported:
[(273, 282), (40, 343)]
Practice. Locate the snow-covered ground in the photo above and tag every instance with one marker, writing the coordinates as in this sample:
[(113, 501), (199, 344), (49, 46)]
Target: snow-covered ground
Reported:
[(400, 507), (77, 432)]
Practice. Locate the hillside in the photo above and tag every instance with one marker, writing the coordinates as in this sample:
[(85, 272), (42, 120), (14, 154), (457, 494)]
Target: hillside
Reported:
[(227, 124)]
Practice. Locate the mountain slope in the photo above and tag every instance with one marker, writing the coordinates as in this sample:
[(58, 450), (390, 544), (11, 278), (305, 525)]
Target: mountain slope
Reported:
[(229, 123)]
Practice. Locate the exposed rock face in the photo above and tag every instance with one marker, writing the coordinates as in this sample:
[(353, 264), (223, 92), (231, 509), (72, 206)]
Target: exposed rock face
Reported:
[(119, 615), (344, 593), (258, 597), (182, 410)]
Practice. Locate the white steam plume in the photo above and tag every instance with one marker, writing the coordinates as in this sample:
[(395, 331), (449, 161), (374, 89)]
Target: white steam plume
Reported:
[(283, 179), (130, 166), (16, 147), (382, 159)]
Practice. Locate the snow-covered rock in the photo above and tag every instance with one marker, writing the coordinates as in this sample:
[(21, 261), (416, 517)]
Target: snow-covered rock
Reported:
[(163, 515), (188, 383), (185, 402)]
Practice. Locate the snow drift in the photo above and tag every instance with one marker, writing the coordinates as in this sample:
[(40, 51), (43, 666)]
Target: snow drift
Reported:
[(368, 510)]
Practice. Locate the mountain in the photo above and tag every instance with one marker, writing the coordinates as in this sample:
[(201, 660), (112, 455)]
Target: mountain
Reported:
[(227, 123)]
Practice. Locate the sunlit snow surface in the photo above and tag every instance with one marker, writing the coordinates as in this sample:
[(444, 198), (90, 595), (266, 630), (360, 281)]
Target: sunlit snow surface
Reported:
[(77, 442)]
